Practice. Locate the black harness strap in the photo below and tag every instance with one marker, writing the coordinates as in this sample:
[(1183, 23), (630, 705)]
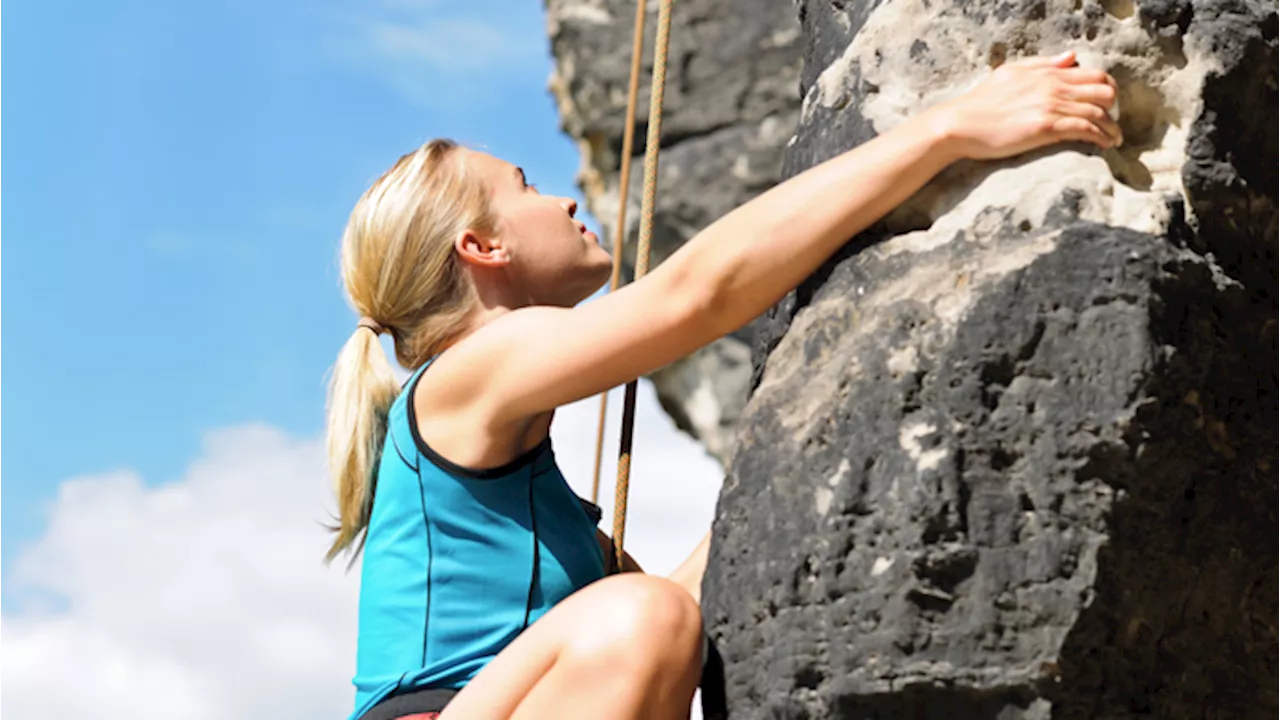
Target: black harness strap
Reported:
[(409, 702)]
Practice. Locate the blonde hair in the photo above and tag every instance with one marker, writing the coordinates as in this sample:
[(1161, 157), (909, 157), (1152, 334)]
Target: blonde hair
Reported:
[(399, 268)]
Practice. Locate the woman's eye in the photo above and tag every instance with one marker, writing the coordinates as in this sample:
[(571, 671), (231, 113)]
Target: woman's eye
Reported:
[(531, 186)]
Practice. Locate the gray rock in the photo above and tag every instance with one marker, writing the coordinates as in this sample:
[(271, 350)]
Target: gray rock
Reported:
[(1013, 452), (730, 105)]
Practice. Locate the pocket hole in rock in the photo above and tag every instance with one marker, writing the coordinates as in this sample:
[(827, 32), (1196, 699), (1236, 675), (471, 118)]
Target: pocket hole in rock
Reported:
[(1145, 118), (1118, 9)]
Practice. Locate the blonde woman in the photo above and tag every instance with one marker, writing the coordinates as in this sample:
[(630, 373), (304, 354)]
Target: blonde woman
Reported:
[(484, 590)]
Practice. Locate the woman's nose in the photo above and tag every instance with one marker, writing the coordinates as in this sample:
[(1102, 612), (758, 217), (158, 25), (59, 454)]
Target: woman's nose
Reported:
[(570, 206)]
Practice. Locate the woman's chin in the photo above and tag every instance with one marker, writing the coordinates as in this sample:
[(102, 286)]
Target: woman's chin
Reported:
[(600, 287), (592, 282)]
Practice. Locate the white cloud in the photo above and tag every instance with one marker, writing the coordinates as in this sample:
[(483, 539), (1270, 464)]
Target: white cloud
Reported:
[(435, 57), (201, 598), (206, 597)]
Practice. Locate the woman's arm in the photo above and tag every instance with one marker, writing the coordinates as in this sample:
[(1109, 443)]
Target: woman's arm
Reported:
[(689, 574), (536, 359)]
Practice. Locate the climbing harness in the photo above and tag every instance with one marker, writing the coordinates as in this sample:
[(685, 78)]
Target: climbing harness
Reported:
[(642, 249)]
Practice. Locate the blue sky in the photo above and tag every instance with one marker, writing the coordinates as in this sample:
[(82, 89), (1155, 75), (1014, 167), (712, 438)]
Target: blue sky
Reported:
[(176, 177)]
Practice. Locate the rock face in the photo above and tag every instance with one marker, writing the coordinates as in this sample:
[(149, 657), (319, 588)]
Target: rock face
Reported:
[(1013, 453), (730, 105)]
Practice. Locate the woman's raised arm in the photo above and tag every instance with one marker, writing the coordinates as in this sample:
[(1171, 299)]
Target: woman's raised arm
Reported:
[(745, 262)]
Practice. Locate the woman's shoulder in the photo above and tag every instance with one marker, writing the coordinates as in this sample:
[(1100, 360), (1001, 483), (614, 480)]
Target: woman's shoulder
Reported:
[(449, 414), (457, 376)]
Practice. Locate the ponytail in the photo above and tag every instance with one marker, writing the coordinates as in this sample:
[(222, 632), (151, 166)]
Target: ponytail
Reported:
[(361, 392)]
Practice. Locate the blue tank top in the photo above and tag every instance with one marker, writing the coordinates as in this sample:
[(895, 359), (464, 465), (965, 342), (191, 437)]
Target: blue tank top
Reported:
[(458, 562)]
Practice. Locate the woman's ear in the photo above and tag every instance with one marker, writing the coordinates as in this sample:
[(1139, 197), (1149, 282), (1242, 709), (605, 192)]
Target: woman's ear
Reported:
[(480, 251)]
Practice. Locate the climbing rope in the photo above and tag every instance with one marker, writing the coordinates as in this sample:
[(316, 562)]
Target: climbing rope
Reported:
[(642, 262), (620, 228)]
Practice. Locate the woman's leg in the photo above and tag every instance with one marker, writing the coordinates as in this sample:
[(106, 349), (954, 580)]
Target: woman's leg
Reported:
[(627, 647)]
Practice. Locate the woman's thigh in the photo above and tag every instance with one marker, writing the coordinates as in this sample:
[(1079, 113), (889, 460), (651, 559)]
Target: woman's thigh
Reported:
[(613, 624)]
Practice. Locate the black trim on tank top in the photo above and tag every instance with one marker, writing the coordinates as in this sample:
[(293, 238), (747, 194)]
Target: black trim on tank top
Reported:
[(533, 577), (410, 701), (451, 467)]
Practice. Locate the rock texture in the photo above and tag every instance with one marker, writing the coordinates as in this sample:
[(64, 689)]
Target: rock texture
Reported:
[(1013, 453), (731, 103)]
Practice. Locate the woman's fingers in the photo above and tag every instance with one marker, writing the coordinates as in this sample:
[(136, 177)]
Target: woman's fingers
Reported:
[(1087, 95), (1070, 127), (1039, 100), (1086, 76), (1101, 95), (1094, 115)]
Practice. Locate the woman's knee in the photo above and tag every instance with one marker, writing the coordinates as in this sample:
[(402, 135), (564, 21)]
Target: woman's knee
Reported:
[(643, 620)]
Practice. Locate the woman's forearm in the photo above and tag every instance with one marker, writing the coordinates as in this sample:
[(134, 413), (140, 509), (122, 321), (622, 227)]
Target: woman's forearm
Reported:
[(754, 255), (689, 574)]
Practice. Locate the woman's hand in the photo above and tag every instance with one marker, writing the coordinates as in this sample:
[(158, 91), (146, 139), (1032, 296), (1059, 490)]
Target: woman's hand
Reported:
[(1027, 104)]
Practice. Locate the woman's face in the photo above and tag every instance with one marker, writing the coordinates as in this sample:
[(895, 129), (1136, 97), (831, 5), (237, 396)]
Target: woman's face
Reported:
[(554, 259)]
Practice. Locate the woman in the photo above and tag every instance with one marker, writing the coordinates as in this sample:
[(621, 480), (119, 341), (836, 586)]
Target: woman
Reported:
[(484, 583)]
